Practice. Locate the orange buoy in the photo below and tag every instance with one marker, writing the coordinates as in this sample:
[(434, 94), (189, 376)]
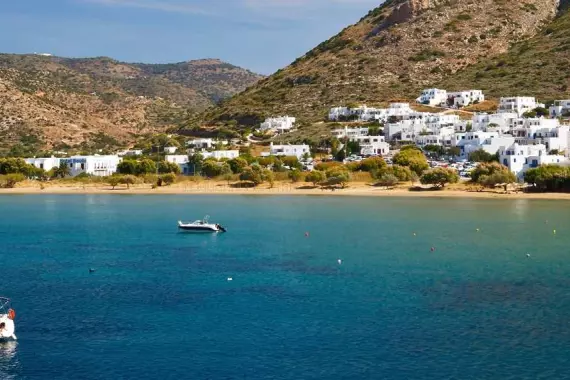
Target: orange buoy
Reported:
[(11, 314)]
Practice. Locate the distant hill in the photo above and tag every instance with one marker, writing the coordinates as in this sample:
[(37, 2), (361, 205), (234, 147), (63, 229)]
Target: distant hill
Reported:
[(396, 50), (60, 102)]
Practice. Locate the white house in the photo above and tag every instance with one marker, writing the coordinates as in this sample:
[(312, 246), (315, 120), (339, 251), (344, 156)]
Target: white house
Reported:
[(350, 132), (465, 98), (542, 131), (433, 97), (287, 150), (130, 153), (518, 104), (372, 145), (490, 142), (100, 166), (560, 108), (170, 149), (44, 163), (497, 122), (280, 124), (206, 143), (221, 154), (336, 113), (520, 158), (405, 130)]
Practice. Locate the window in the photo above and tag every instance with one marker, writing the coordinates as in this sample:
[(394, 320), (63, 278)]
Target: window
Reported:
[(41, 166), (70, 165), (82, 166)]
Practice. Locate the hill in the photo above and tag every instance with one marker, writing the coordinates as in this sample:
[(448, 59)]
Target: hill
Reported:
[(48, 102), (391, 53), (535, 67)]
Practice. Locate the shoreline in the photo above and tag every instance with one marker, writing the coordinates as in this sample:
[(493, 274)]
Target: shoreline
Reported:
[(281, 189)]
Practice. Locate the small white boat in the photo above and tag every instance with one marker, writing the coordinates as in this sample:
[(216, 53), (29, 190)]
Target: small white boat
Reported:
[(202, 226), (7, 317)]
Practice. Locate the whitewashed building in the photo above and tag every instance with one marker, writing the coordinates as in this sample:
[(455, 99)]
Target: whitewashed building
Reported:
[(520, 158), (549, 132), (490, 142), (44, 163), (560, 108), (130, 153), (100, 166), (178, 159), (518, 104), (170, 149), (346, 132), (497, 122), (287, 150), (433, 97), (372, 145), (279, 124), (465, 98), (205, 143), (337, 113), (221, 154)]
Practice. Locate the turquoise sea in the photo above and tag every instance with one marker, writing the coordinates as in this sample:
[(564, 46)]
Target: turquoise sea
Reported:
[(160, 305)]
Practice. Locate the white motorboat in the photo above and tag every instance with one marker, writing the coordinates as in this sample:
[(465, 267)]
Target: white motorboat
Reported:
[(202, 226), (7, 317)]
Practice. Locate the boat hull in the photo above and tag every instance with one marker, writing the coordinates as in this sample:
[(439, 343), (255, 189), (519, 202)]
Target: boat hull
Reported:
[(198, 230)]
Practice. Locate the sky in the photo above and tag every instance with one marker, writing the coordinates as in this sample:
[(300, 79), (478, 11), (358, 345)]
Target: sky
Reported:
[(260, 35)]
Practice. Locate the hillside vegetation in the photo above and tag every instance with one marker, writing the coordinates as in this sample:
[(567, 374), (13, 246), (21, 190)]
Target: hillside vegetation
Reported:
[(391, 53), (53, 102)]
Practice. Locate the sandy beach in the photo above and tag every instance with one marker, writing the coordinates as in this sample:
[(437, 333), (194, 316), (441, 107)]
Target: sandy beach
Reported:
[(280, 188)]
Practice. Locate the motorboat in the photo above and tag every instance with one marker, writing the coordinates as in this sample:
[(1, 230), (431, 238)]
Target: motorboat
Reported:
[(203, 226), (7, 317)]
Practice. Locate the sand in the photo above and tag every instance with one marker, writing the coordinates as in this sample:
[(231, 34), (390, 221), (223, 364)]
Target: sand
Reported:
[(282, 188)]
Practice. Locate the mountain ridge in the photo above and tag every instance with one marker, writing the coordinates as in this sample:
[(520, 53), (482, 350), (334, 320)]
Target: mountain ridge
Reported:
[(392, 53), (66, 102)]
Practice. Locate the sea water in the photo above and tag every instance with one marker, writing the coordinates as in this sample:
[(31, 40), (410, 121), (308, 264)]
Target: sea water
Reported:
[(424, 289)]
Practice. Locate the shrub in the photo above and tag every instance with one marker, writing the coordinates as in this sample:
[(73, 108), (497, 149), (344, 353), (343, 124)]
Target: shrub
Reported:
[(128, 180), (114, 181), (11, 180), (315, 177), (295, 175), (388, 180), (487, 169), (250, 175), (413, 159), (167, 179), (439, 177), (237, 164)]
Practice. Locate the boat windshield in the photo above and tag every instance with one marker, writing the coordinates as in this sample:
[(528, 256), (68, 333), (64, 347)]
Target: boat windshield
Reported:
[(4, 305)]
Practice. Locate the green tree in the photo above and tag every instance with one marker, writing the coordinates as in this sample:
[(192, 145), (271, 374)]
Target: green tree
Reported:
[(453, 151), (439, 177), (315, 177), (11, 180), (482, 156), (504, 177), (291, 161), (226, 172), (268, 176), (195, 162), (146, 166), (338, 175), (114, 180), (211, 169), (165, 167), (250, 175), (167, 179), (388, 180), (295, 175), (487, 169), (237, 164), (128, 180), (372, 164), (549, 177), (413, 159), (128, 166), (62, 170)]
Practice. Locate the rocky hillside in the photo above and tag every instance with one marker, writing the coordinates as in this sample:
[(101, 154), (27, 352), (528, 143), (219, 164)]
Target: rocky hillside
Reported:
[(50, 102), (537, 67), (393, 52)]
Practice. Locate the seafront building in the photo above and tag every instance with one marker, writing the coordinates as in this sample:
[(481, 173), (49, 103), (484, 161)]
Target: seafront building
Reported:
[(100, 166), (519, 158)]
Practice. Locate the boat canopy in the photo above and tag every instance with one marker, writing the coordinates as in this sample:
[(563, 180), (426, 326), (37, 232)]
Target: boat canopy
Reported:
[(4, 305)]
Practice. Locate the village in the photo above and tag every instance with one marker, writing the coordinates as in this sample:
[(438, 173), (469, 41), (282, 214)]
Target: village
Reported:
[(521, 134)]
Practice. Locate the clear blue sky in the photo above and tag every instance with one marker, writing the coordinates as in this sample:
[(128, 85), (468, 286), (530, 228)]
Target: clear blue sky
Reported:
[(261, 35)]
